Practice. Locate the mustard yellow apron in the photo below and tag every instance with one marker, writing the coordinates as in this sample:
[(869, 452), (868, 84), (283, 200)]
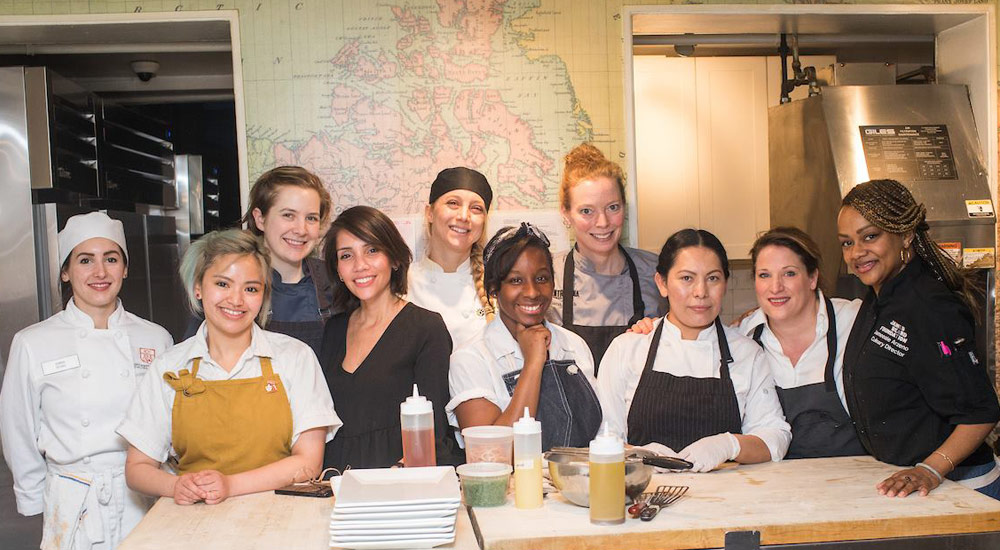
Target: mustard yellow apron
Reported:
[(229, 425)]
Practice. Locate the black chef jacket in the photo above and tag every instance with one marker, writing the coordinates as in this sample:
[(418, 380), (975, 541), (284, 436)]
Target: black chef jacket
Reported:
[(909, 377)]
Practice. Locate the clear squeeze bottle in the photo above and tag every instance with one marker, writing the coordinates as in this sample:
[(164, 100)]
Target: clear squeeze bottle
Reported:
[(607, 479), (416, 416), (527, 462)]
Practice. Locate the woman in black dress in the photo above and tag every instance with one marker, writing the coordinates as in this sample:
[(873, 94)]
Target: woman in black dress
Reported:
[(374, 352)]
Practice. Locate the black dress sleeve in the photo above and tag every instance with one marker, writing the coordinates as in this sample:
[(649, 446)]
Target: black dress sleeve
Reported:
[(951, 377), (430, 370)]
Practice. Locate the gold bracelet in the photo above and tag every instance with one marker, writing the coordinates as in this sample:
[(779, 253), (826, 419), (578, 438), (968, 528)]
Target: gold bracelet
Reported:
[(946, 457)]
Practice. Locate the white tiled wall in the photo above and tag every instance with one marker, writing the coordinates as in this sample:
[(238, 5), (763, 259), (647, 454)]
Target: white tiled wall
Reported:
[(740, 295)]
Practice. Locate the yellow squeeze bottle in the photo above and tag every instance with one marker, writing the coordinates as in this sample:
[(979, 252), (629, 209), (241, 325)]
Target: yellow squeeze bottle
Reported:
[(607, 479), (527, 462)]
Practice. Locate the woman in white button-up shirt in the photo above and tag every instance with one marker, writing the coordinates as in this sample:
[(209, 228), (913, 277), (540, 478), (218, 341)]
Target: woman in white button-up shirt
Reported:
[(68, 381), (693, 387)]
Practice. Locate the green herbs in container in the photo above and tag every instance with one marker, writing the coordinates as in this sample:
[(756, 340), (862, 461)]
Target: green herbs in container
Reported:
[(484, 483)]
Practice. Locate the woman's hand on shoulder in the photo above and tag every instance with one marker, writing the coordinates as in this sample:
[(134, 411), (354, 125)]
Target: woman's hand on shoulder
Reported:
[(643, 326), (910, 480), (534, 342)]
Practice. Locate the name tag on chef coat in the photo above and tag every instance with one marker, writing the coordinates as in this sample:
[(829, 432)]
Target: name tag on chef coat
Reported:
[(62, 364)]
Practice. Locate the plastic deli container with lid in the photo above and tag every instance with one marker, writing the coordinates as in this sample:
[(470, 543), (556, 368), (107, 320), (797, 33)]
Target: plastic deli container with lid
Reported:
[(484, 483), (488, 443)]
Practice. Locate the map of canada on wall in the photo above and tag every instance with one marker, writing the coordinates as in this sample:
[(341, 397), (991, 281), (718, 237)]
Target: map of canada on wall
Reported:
[(418, 87)]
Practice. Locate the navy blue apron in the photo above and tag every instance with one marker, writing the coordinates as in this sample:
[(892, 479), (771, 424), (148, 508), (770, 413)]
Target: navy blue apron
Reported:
[(821, 426), (676, 411), (567, 405), (310, 332), (599, 338)]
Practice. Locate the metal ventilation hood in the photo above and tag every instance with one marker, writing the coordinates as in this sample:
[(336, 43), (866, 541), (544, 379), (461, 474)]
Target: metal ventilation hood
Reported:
[(922, 135)]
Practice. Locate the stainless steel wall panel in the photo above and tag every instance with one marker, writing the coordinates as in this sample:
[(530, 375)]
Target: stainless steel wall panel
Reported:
[(18, 301)]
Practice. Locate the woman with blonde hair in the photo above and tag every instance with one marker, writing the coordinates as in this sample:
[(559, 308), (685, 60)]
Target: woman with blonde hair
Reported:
[(919, 395), (234, 409), (449, 278), (601, 287)]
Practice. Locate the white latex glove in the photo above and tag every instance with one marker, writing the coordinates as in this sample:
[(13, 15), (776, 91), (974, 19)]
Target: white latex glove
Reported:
[(661, 450), (709, 452)]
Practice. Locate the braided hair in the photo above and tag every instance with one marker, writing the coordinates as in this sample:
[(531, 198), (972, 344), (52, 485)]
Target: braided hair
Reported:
[(890, 206)]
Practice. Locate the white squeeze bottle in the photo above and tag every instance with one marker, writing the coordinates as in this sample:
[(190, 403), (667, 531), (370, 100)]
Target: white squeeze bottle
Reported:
[(527, 462), (607, 479), (416, 417)]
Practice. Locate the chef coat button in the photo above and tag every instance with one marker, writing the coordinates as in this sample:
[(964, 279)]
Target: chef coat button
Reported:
[(118, 334), (434, 279), (124, 373), (466, 314), (85, 373), (83, 334), (86, 460), (85, 422)]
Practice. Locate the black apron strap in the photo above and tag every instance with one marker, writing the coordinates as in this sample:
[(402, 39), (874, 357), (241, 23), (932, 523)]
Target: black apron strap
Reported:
[(758, 332), (725, 357), (831, 346), (638, 307), (321, 281), (569, 272)]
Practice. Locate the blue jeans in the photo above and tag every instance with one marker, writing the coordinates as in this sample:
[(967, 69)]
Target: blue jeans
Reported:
[(968, 472)]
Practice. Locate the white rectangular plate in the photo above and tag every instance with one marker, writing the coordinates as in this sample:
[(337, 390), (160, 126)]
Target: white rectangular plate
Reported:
[(392, 515), (398, 487), (350, 523), (341, 532), (412, 543)]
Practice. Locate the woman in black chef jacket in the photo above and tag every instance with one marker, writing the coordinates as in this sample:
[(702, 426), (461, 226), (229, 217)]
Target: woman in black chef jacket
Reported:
[(601, 287), (692, 384), (803, 334), (919, 396)]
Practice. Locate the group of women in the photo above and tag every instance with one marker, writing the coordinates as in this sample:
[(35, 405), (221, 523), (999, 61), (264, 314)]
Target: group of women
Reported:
[(484, 330)]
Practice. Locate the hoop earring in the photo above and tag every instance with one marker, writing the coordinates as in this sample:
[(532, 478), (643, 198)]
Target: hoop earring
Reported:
[(903, 256)]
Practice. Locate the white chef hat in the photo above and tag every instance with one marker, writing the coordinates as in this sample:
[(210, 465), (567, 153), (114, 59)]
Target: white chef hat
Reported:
[(81, 227)]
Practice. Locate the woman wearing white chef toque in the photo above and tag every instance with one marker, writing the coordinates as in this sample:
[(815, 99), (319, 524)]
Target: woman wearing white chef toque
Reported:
[(68, 381), (449, 278), (692, 384)]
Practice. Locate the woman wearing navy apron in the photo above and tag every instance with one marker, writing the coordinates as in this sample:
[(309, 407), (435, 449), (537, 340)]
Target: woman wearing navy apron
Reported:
[(520, 360), (692, 384), (803, 334), (919, 395), (289, 209), (611, 287)]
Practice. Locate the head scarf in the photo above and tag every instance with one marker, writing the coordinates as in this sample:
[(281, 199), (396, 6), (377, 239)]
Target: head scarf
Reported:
[(452, 179)]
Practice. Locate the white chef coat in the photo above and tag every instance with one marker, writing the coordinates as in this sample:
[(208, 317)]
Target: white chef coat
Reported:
[(148, 420), (477, 368), (811, 368), (65, 390), (453, 295), (758, 402)]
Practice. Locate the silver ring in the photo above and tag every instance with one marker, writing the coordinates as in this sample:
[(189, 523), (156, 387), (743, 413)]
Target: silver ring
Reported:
[(907, 479)]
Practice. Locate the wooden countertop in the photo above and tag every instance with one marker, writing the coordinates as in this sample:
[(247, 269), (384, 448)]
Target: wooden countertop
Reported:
[(263, 521), (796, 501)]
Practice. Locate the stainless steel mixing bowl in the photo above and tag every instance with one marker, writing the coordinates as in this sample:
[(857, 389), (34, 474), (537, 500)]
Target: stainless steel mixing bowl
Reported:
[(570, 474)]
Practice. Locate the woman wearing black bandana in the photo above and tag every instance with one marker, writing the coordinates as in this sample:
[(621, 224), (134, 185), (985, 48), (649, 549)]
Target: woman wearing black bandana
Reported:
[(448, 278), (520, 360)]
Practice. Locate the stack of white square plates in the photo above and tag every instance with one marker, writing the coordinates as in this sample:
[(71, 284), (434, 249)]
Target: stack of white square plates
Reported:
[(395, 508)]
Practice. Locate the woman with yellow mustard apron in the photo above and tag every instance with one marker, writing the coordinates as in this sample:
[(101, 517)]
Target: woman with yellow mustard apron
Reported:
[(234, 409)]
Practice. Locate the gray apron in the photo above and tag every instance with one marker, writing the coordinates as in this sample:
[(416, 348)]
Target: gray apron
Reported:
[(820, 425)]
